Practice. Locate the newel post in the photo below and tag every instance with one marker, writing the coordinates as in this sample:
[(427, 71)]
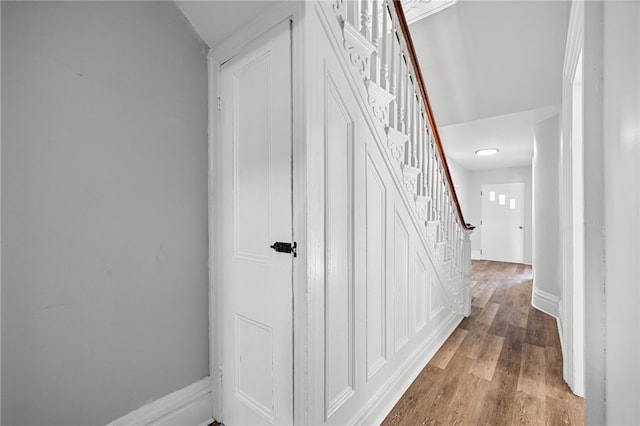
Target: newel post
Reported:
[(466, 271)]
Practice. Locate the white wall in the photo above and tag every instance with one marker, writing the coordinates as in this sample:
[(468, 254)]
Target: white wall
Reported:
[(473, 212), (104, 209), (547, 288), (612, 204), (462, 181), (621, 141)]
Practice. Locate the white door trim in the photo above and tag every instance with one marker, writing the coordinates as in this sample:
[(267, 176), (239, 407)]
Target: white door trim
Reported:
[(0, 240), (294, 11), (571, 316)]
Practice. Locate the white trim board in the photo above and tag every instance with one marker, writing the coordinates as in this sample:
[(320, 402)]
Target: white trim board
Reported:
[(572, 224), (545, 302), (0, 239), (188, 406)]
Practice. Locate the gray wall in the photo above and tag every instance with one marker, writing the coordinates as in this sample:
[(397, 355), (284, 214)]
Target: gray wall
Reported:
[(104, 209), (546, 175), (506, 175)]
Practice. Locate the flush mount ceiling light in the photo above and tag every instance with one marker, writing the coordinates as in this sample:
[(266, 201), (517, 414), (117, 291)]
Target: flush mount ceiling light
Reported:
[(489, 151)]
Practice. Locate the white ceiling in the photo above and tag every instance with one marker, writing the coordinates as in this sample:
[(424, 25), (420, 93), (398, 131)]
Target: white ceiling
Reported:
[(217, 20), (512, 134), (491, 68)]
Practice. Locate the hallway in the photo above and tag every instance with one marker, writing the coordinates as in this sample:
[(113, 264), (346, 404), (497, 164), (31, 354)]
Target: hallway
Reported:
[(502, 365)]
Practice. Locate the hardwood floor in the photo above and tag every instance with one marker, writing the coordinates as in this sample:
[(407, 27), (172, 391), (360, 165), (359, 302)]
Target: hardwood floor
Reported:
[(501, 366)]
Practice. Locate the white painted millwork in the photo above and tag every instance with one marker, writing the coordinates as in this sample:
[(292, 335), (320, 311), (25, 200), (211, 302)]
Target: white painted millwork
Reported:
[(388, 261), (257, 363), (382, 275), (572, 206), (503, 222), (621, 149)]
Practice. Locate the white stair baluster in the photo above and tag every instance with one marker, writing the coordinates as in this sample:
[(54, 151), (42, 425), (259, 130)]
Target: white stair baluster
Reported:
[(375, 39), (384, 49)]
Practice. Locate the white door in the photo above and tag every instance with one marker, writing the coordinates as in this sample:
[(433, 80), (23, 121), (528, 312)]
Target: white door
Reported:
[(503, 222), (256, 288)]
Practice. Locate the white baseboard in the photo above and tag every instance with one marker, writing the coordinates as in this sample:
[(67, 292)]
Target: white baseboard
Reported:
[(188, 406), (546, 302), (375, 411)]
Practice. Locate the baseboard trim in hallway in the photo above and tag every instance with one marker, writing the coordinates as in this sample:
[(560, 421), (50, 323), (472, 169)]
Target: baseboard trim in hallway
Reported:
[(546, 302), (188, 406), (501, 366)]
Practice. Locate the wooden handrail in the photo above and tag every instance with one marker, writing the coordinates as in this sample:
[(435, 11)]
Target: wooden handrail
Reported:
[(402, 21)]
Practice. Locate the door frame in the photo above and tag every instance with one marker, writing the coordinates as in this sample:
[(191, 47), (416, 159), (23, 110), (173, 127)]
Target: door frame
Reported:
[(571, 319), (294, 12)]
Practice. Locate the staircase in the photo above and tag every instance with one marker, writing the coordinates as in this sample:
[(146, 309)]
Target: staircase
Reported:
[(388, 248), (378, 45)]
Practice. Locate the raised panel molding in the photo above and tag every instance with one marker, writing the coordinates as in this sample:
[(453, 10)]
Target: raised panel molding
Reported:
[(401, 282), (252, 368), (376, 288), (250, 142), (339, 270), (436, 302), (420, 298)]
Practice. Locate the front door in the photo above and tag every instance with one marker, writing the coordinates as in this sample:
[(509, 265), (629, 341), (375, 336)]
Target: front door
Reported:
[(503, 222), (256, 287)]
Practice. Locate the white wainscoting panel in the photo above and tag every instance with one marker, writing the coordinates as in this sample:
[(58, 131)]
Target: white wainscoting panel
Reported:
[(420, 291), (376, 230), (401, 282), (339, 345), (378, 309), (436, 301)]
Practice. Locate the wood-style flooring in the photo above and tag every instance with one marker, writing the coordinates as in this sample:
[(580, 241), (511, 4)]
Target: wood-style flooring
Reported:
[(501, 366)]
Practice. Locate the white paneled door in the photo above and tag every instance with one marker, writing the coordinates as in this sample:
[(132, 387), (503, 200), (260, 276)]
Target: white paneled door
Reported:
[(503, 222), (256, 288)]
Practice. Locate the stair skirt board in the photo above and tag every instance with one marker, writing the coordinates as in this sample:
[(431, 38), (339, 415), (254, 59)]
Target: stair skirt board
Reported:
[(545, 302), (188, 406), (378, 407)]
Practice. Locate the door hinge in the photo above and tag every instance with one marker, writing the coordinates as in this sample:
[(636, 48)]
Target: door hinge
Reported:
[(219, 103), (286, 247), (220, 372), (480, 253)]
